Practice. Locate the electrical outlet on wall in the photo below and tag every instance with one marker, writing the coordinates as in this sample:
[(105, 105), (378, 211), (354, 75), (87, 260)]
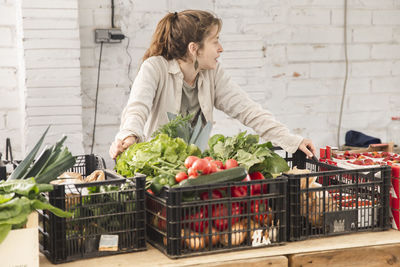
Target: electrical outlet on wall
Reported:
[(113, 35)]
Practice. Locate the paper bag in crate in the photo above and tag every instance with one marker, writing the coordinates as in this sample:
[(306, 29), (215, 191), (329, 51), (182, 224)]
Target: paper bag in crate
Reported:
[(313, 200)]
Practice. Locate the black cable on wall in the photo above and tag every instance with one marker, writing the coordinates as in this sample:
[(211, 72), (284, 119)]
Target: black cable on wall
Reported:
[(112, 14), (96, 99)]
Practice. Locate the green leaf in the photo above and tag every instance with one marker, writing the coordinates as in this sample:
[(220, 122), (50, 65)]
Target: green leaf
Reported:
[(45, 187), (4, 230), (248, 152), (26, 163), (21, 216), (6, 197), (162, 154), (177, 126), (39, 205), (55, 155), (194, 150), (221, 152), (26, 187), (11, 208), (56, 168), (37, 166), (247, 160), (276, 164), (215, 139)]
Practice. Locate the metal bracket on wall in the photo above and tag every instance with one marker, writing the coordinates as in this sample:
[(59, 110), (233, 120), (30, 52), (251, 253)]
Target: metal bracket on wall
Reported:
[(113, 35)]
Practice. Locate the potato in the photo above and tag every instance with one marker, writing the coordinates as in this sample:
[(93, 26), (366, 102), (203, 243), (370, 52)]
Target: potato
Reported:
[(238, 235), (193, 240), (253, 226), (214, 236), (269, 218)]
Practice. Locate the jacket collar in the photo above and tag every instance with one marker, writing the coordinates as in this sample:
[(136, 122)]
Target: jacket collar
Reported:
[(173, 67)]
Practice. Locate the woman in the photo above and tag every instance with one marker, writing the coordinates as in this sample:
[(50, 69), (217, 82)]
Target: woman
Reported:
[(180, 74)]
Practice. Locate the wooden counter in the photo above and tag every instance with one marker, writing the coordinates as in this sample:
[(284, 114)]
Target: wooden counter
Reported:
[(359, 249)]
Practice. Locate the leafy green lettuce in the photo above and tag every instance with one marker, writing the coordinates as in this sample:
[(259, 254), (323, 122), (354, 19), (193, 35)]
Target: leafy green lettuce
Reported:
[(162, 154)]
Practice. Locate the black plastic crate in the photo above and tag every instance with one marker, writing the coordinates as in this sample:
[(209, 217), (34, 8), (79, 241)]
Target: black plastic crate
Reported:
[(344, 201), (111, 207), (189, 221)]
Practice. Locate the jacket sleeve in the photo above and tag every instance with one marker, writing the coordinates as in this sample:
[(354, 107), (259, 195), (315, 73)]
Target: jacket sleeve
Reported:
[(137, 110), (231, 99)]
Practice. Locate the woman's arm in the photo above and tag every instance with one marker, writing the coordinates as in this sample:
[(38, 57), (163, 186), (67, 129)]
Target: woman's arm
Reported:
[(137, 110), (237, 104)]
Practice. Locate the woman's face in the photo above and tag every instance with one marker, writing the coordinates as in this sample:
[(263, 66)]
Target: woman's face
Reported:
[(208, 55)]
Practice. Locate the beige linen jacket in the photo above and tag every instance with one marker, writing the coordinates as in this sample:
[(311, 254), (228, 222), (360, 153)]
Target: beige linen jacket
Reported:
[(158, 89)]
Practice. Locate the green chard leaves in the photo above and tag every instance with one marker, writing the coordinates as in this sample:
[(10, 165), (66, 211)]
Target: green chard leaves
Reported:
[(18, 198), (247, 151)]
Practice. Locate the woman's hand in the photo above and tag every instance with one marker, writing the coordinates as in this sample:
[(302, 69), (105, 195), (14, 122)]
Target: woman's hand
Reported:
[(307, 147), (119, 146)]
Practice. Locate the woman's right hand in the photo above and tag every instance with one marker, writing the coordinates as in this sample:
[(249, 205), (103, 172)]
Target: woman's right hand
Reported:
[(119, 146)]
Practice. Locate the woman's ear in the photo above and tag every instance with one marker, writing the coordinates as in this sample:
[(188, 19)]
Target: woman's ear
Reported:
[(192, 48)]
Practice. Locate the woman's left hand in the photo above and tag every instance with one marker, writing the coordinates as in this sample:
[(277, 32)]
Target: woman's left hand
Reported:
[(307, 147)]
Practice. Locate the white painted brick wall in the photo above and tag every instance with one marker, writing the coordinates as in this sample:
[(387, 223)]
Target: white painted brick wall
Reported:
[(7, 34), (10, 100), (53, 75), (372, 34), (288, 55)]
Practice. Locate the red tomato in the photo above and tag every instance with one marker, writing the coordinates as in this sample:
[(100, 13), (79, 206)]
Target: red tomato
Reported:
[(208, 158), (231, 163), (190, 160), (219, 164), (193, 173), (150, 191), (212, 167), (201, 165), (180, 176)]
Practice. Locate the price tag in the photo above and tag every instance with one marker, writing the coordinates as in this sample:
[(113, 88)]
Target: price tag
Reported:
[(258, 239), (108, 243)]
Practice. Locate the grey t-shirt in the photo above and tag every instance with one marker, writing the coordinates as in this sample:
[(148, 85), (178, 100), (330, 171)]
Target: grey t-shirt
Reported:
[(190, 102)]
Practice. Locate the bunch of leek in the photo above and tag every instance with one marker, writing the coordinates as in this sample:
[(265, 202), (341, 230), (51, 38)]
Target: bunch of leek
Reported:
[(51, 163), (179, 126)]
